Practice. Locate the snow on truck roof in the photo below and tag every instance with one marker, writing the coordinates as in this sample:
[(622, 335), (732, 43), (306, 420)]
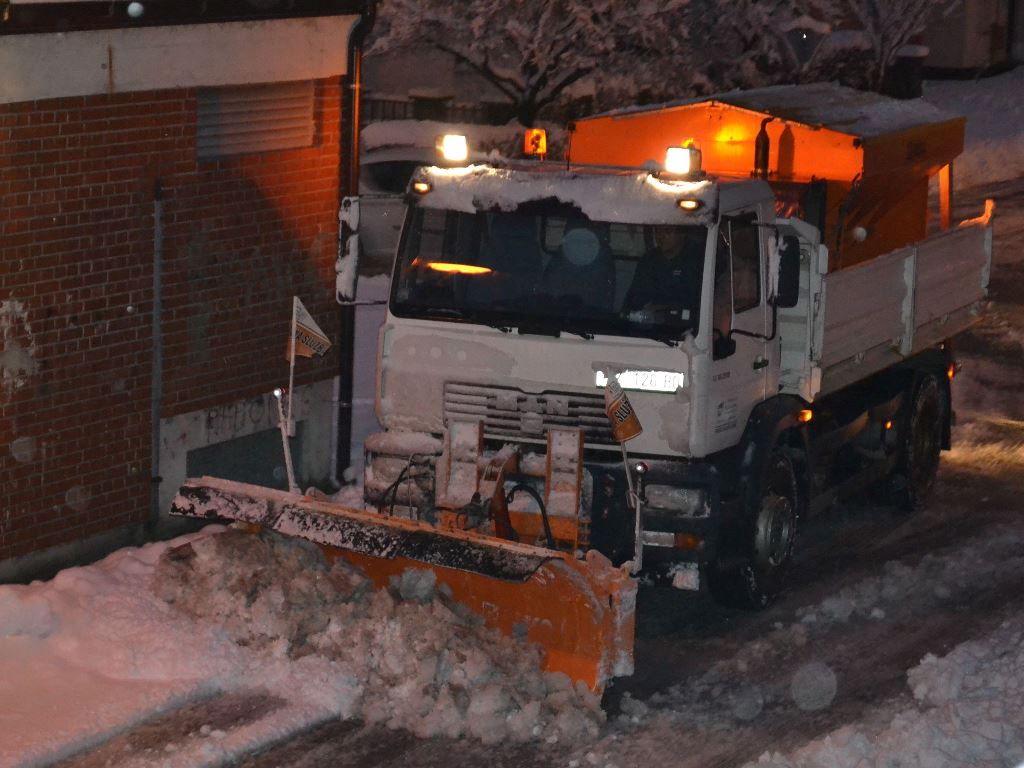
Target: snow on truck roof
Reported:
[(825, 105), (632, 197)]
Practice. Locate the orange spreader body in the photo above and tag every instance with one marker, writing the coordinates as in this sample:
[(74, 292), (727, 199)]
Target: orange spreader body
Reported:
[(874, 155)]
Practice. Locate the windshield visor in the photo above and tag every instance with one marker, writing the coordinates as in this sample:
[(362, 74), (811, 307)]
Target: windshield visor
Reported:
[(550, 271)]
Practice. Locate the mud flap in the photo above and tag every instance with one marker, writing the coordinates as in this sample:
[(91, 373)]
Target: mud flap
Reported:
[(581, 612)]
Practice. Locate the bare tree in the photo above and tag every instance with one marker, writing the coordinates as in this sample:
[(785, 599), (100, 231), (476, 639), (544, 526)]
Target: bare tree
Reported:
[(532, 51), (538, 53), (751, 43)]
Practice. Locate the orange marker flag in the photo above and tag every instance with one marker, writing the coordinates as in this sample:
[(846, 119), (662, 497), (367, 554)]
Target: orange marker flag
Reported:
[(625, 424), (307, 338)]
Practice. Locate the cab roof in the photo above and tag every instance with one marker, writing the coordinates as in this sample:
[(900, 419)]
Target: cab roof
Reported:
[(613, 195)]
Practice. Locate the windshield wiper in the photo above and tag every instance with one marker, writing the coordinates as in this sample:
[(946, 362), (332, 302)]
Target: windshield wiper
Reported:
[(438, 313), (582, 334), (668, 341), (552, 330)]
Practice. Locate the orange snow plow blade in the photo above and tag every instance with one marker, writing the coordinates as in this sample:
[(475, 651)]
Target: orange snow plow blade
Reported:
[(581, 612)]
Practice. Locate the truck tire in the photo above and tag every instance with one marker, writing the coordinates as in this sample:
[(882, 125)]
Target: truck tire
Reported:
[(914, 477), (768, 539)]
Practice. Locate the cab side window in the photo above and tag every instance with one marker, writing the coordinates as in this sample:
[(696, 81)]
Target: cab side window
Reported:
[(722, 311), (746, 264), (737, 274)]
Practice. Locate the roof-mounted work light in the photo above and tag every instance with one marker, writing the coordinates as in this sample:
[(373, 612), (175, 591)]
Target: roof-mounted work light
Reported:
[(453, 148), (682, 161)]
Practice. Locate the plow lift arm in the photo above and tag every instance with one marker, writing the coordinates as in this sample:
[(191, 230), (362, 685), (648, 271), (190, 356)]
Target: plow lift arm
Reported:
[(578, 607)]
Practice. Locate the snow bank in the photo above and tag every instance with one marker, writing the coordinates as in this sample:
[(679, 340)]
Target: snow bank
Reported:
[(994, 145), (968, 713), (413, 659), (148, 629), (737, 689), (936, 577)]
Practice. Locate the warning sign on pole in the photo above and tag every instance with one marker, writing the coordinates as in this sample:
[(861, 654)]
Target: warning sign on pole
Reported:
[(625, 424)]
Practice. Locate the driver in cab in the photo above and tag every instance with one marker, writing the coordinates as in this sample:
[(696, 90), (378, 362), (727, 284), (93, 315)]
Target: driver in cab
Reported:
[(667, 282)]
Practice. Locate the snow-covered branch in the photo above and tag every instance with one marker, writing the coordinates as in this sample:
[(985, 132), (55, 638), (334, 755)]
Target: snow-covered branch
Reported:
[(532, 50)]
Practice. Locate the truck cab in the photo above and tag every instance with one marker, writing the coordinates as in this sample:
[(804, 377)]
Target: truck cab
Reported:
[(518, 291)]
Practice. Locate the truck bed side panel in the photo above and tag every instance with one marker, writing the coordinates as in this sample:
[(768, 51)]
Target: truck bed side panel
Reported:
[(952, 274), (863, 308), (877, 313)]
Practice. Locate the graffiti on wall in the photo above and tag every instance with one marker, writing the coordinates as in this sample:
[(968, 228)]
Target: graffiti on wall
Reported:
[(244, 418), (17, 347)]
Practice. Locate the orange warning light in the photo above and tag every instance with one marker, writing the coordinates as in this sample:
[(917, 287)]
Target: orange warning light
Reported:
[(458, 269), (535, 142)]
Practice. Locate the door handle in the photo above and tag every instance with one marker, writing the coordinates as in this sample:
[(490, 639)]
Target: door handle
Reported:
[(760, 363)]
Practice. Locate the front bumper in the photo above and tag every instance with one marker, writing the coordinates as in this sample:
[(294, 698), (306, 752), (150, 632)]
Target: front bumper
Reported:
[(674, 536)]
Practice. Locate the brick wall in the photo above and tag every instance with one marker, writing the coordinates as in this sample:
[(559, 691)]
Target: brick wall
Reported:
[(241, 235)]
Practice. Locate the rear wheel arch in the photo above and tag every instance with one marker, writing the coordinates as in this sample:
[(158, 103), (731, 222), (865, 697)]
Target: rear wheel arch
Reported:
[(933, 362)]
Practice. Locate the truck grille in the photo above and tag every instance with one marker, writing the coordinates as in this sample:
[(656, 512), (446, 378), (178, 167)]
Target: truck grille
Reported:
[(510, 412)]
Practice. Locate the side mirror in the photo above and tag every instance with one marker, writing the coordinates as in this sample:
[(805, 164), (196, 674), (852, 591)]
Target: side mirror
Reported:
[(347, 265), (788, 292)]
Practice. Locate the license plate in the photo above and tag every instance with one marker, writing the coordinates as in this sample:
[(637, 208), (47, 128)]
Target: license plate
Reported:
[(646, 381)]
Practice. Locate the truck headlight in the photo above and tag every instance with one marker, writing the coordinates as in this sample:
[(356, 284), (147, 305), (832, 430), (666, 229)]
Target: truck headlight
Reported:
[(685, 502)]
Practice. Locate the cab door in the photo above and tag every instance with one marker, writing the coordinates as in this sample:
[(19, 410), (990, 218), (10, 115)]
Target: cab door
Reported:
[(740, 362)]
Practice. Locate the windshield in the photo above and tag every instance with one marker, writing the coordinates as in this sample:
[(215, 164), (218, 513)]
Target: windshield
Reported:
[(550, 270)]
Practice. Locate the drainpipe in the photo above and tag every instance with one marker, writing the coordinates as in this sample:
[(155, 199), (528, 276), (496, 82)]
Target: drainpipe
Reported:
[(157, 362), (349, 183)]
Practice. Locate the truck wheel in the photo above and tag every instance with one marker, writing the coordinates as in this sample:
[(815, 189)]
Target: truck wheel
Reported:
[(914, 478), (771, 532)]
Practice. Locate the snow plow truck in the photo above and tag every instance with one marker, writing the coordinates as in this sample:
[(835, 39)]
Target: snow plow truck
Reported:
[(660, 354)]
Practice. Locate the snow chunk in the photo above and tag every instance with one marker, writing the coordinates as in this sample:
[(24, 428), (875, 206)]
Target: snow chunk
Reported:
[(22, 613), (415, 584)]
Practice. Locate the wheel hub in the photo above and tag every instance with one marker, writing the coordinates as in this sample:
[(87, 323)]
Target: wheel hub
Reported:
[(774, 534)]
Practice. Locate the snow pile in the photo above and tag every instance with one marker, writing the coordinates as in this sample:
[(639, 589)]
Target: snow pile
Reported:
[(101, 648), (415, 659), (935, 577), (968, 713), (994, 145), (739, 688), (93, 650)]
